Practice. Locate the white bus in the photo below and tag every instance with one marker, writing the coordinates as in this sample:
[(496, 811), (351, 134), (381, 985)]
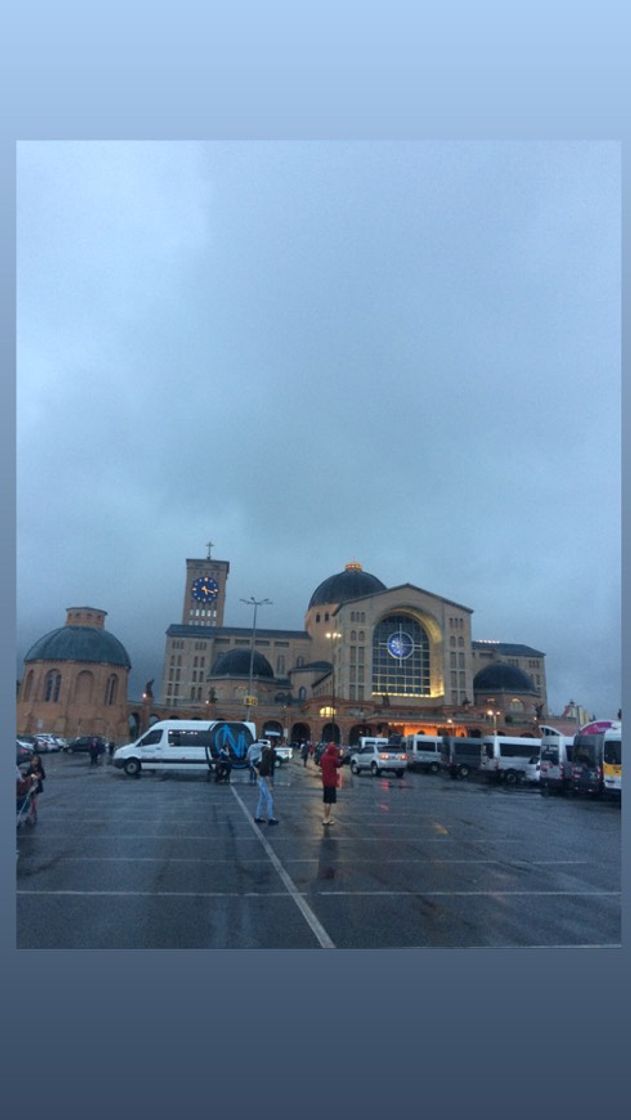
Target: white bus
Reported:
[(506, 758)]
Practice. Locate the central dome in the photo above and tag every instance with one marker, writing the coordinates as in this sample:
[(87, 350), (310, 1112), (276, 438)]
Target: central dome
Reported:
[(352, 583), (501, 677), (236, 663)]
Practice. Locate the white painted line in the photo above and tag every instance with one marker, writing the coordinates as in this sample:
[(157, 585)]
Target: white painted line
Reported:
[(296, 896), (306, 911)]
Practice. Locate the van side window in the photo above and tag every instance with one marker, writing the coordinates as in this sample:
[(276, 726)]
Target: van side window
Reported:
[(151, 738)]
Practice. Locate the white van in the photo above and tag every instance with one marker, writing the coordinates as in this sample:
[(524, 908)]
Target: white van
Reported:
[(506, 758), (188, 745), (424, 752), (555, 774)]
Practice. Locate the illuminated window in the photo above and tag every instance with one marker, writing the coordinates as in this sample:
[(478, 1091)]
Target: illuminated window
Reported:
[(400, 657)]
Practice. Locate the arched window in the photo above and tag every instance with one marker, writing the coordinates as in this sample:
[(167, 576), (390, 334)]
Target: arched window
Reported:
[(302, 693), (400, 657), (353, 635), (28, 685), (52, 686), (111, 689), (83, 687)]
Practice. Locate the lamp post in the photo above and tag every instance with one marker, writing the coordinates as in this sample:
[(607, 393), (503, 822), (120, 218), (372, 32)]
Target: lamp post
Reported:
[(333, 636), (256, 603), (492, 712)]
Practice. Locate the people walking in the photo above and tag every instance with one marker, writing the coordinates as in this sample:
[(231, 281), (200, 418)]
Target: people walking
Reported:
[(264, 770), (93, 750), (330, 763)]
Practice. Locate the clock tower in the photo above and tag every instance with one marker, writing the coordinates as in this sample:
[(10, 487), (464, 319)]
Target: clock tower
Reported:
[(205, 591)]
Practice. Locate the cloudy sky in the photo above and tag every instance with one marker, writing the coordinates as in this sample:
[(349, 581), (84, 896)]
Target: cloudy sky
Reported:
[(404, 354)]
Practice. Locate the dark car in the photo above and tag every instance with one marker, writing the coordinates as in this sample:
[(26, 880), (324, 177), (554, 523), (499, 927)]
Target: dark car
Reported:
[(83, 744)]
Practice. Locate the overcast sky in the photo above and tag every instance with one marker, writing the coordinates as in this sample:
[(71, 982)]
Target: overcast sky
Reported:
[(404, 354)]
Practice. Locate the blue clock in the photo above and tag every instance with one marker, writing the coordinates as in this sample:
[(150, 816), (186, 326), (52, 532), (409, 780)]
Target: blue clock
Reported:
[(205, 589), (400, 645)]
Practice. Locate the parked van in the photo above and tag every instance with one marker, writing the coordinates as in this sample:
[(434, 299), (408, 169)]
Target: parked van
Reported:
[(460, 757), (423, 752), (186, 745), (597, 759), (506, 758), (555, 773)]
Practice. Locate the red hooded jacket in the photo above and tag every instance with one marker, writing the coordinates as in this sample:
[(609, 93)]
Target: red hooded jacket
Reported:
[(329, 764)]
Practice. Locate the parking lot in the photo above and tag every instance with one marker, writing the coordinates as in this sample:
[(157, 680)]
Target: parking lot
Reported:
[(420, 862)]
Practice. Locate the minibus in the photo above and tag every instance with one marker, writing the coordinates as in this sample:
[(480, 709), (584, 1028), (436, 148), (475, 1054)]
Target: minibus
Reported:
[(506, 758), (185, 745), (423, 752), (594, 743), (460, 757), (555, 774)]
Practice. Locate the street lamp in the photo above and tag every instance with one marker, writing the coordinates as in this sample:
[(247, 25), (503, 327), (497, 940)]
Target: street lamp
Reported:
[(333, 636), (492, 712), (256, 603)]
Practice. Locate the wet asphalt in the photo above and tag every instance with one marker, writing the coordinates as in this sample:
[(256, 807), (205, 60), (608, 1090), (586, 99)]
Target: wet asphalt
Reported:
[(422, 862)]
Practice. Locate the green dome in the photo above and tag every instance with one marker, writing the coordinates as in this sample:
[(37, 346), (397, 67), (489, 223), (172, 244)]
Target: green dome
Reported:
[(79, 643)]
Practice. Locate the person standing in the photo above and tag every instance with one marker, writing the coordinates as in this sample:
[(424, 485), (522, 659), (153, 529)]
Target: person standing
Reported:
[(265, 770), (253, 757), (330, 763), (94, 751), (37, 774), (304, 753)]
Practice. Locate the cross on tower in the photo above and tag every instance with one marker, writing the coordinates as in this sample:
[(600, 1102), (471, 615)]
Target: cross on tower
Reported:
[(209, 546)]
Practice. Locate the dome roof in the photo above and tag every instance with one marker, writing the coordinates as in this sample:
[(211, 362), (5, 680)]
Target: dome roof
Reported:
[(501, 677), (236, 663), (79, 643), (352, 583)]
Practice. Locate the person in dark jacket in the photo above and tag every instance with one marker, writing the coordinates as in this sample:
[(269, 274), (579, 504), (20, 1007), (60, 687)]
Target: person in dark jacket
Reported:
[(37, 773), (330, 763), (94, 750)]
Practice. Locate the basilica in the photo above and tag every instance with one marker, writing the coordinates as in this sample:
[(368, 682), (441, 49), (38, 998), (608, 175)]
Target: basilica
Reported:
[(369, 659)]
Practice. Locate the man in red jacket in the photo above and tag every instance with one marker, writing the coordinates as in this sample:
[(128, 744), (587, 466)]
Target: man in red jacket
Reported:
[(329, 763)]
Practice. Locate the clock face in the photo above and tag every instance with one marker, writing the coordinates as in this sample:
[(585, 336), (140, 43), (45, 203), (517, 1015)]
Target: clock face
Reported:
[(205, 589), (400, 645)]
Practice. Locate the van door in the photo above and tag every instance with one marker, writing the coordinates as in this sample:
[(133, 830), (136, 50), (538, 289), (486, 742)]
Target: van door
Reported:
[(151, 749)]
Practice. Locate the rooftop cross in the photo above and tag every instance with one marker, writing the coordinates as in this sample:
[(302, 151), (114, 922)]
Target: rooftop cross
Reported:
[(209, 546)]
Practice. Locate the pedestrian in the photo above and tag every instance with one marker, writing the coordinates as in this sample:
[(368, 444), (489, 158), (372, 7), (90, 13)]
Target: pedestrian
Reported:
[(252, 757), (330, 762), (111, 747), (304, 753), (264, 771), (93, 750), (224, 765), (36, 772)]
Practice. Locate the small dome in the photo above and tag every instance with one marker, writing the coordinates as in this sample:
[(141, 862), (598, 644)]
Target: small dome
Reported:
[(79, 643), (236, 663), (501, 677), (352, 583)]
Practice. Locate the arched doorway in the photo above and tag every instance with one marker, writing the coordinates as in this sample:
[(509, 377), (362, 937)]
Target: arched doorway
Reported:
[(357, 732), (300, 733), (330, 733)]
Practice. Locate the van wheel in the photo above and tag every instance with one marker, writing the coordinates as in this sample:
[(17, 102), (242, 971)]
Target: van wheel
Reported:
[(132, 767), (463, 772), (510, 778), (354, 767), (433, 768), (374, 769)]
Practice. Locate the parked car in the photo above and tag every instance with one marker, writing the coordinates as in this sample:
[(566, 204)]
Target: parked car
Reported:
[(378, 757), (46, 743), (24, 752), (283, 753), (82, 743)]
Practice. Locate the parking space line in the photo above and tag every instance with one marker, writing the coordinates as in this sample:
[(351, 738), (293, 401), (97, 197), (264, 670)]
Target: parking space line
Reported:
[(306, 911)]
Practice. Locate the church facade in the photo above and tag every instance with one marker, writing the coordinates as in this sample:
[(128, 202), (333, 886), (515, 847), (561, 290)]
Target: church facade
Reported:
[(369, 659)]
